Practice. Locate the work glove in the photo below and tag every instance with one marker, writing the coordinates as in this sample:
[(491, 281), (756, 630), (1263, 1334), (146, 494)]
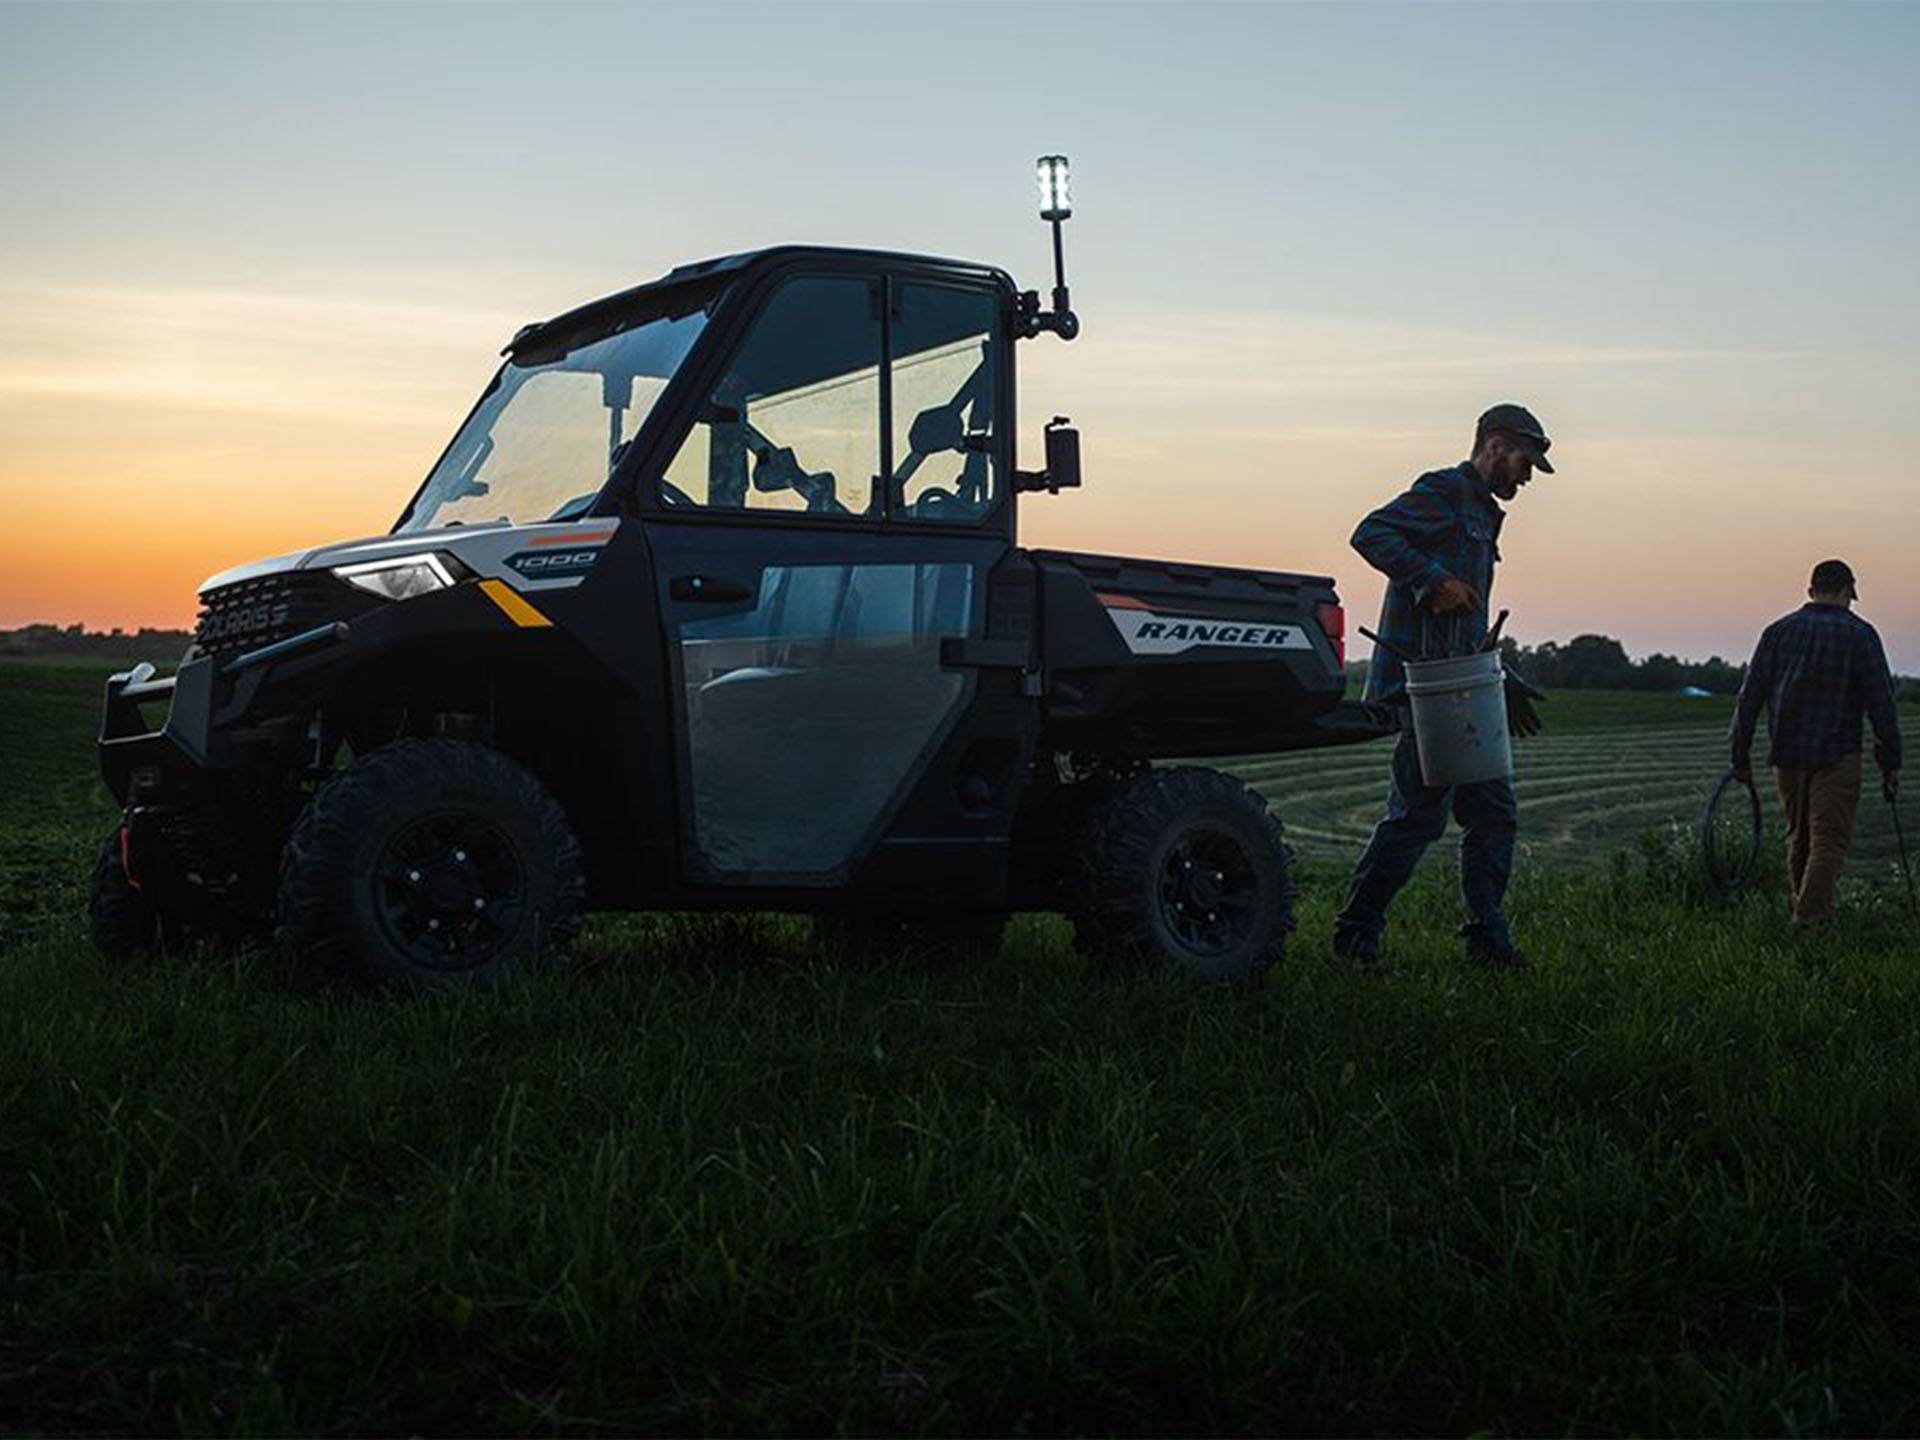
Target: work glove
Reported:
[(1522, 719)]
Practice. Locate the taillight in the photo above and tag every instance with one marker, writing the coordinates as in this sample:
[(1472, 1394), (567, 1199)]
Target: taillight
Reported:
[(1333, 624)]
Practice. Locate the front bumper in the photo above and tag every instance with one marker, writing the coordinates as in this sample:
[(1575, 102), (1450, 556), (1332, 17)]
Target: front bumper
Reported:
[(206, 700)]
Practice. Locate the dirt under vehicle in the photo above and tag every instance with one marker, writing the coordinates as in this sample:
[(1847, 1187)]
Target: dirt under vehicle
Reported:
[(714, 602)]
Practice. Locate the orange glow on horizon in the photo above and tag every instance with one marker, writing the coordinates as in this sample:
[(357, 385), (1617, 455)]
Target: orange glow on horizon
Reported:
[(156, 438)]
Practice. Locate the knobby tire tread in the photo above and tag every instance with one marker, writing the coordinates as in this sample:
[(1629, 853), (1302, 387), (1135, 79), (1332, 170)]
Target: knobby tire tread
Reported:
[(317, 876), (1110, 892)]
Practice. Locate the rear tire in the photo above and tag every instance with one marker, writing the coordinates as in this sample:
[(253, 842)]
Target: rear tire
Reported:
[(431, 864), (1182, 869)]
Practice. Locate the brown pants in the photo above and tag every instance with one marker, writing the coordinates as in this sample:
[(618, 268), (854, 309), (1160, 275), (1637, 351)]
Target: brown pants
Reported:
[(1820, 807)]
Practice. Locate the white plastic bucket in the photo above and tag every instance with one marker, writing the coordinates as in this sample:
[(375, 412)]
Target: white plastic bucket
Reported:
[(1460, 719)]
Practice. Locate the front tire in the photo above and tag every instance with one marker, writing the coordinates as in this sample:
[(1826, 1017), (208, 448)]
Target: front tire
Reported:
[(430, 864), (123, 924), (1182, 869), (129, 920)]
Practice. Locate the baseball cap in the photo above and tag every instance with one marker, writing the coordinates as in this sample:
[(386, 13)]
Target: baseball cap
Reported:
[(1519, 421), (1831, 575)]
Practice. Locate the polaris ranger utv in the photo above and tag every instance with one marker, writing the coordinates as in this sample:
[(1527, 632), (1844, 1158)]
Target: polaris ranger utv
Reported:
[(714, 601)]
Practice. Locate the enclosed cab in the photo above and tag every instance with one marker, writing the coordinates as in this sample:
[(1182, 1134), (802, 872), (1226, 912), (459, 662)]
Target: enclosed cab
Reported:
[(715, 601)]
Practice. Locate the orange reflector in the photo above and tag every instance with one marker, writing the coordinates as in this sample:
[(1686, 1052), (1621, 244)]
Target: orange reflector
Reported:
[(512, 605)]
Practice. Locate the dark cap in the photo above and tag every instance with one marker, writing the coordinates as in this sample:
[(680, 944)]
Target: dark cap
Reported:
[(1518, 421), (1830, 576)]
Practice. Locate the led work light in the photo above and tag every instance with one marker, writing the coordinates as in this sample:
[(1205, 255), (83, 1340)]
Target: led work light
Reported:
[(400, 578), (1056, 192)]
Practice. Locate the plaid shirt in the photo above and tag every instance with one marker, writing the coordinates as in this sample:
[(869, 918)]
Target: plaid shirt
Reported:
[(1444, 528), (1817, 671)]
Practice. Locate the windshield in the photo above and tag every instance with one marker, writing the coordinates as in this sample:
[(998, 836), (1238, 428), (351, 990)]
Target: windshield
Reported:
[(543, 437)]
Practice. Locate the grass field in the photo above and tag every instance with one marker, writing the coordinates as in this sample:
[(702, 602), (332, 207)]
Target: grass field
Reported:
[(704, 1178)]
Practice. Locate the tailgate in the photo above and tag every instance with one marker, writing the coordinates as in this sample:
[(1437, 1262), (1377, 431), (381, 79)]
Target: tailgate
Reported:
[(1158, 657)]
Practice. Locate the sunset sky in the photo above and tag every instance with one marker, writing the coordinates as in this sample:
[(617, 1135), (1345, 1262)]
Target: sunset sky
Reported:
[(258, 260)]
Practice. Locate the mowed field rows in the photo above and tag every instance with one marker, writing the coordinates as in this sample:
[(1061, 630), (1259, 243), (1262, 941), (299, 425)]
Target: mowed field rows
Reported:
[(1608, 768)]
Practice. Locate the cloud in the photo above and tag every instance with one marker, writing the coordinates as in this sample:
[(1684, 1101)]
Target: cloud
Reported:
[(352, 359), (1168, 352)]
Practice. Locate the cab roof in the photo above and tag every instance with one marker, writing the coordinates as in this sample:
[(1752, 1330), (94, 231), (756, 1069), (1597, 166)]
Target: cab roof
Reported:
[(685, 288)]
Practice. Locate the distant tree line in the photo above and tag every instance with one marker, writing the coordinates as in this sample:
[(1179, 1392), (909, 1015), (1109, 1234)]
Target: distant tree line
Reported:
[(1600, 662), (159, 646)]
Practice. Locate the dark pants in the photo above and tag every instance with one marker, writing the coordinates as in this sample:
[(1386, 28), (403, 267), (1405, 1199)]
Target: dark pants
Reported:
[(1416, 816)]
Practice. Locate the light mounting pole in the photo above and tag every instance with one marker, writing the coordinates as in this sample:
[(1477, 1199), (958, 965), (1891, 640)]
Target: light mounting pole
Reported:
[(1056, 204)]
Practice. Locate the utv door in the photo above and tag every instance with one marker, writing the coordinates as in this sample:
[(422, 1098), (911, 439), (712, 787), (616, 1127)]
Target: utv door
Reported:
[(829, 520)]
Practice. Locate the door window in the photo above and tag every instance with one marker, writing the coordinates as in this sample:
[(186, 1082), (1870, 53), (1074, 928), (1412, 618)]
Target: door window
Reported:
[(794, 423), (945, 361)]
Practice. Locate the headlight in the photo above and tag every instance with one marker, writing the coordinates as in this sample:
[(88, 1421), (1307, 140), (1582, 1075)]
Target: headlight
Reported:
[(400, 578)]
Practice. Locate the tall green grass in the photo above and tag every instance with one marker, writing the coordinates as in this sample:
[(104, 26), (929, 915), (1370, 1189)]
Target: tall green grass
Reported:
[(703, 1177)]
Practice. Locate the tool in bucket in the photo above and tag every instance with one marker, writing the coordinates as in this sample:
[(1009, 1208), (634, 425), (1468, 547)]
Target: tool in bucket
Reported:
[(1448, 629), (1492, 642)]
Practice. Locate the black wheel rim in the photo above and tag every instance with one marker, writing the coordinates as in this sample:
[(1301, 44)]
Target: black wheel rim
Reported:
[(449, 890), (1209, 895)]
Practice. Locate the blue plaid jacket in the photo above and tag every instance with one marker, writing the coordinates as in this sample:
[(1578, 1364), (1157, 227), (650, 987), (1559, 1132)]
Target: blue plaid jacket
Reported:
[(1446, 527), (1818, 671)]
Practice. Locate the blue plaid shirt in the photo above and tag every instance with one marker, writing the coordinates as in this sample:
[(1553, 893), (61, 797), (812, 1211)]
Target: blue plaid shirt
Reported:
[(1817, 671), (1444, 528)]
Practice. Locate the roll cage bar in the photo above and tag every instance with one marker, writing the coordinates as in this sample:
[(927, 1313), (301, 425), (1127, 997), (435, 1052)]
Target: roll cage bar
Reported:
[(731, 288)]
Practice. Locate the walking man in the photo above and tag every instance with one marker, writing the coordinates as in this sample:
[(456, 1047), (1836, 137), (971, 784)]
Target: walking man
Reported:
[(1818, 670), (1437, 546)]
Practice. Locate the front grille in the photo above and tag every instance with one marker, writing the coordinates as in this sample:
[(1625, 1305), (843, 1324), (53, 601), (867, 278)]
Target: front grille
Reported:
[(251, 613)]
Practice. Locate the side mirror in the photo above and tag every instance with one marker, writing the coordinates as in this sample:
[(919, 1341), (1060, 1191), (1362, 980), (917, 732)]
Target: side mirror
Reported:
[(1063, 455), (1063, 461)]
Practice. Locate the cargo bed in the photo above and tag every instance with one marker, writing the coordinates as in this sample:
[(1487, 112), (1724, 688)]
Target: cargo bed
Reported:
[(1159, 658)]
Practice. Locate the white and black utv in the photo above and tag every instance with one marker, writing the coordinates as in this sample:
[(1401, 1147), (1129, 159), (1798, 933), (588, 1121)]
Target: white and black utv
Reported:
[(715, 602)]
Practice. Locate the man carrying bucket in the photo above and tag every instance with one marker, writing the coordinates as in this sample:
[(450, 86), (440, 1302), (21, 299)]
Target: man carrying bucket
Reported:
[(1437, 546)]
